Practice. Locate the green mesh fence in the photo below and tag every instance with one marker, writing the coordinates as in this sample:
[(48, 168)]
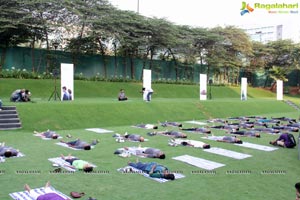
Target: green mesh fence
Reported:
[(41, 60)]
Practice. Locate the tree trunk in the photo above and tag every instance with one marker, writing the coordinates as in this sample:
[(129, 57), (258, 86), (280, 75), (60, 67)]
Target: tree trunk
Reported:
[(3, 56)]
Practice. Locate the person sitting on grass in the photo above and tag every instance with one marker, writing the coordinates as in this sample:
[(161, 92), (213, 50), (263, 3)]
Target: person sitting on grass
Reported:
[(285, 140), (79, 144), (122, 96), (49, 194), (77, 163), (153, 169), (245, 133), (6, 151), (47, 134), (230, 139), (174, 134), (20, 95), (134, 137)]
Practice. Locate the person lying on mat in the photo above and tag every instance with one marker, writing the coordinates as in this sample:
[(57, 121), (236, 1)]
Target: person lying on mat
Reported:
[(230, 139), (200, 129), (285, 140), (166, 123), (134, 137), (147, 126), (149, 152), (290, 120), (48, 134), (79, 144), (78, 164), (226, 126), (174, 134), (267, 130), (7, 151), (245, 133), (285, 127), (153, 169), (49, 194), (174, 142)]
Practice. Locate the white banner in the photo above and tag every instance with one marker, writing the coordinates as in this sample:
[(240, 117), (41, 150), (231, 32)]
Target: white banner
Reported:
[(146, 81), (67, 78), (279, 89), (244, 89), (203, 86)]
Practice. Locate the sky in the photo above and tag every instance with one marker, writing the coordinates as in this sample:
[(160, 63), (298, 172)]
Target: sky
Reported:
[(212, 13)]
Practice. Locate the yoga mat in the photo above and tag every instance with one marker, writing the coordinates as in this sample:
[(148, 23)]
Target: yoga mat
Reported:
[(227, 153), (199, 162)]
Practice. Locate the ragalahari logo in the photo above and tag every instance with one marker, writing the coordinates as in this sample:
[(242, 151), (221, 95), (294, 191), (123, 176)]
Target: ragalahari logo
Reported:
[(246, 8)]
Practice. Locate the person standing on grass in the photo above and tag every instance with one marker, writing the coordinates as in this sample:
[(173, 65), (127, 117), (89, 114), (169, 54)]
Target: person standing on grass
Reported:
[(148, 92), (65, 94)]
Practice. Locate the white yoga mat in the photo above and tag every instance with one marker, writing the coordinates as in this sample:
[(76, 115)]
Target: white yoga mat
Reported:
[(257, 146), (227, 153), (99, 130), (24, 195), (199, 162), (137, 171), (196, 122)]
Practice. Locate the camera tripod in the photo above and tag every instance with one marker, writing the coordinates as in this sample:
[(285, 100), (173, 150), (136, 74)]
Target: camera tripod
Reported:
[(54, 93)]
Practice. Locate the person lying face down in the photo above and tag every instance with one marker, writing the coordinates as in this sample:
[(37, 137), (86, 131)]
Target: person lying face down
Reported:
[(79, 144), (153, 169), (77, 163)]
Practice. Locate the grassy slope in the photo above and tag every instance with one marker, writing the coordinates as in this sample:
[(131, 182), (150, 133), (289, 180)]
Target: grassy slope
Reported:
[(95, 105)]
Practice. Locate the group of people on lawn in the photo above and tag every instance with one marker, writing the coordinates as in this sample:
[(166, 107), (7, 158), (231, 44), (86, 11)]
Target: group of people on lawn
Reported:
[(154, 169)]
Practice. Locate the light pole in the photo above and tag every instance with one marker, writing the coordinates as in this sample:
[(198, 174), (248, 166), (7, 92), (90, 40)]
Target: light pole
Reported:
[(138, 6)]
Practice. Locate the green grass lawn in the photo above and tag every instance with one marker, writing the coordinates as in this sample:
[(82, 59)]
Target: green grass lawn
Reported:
[(265, 175)]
